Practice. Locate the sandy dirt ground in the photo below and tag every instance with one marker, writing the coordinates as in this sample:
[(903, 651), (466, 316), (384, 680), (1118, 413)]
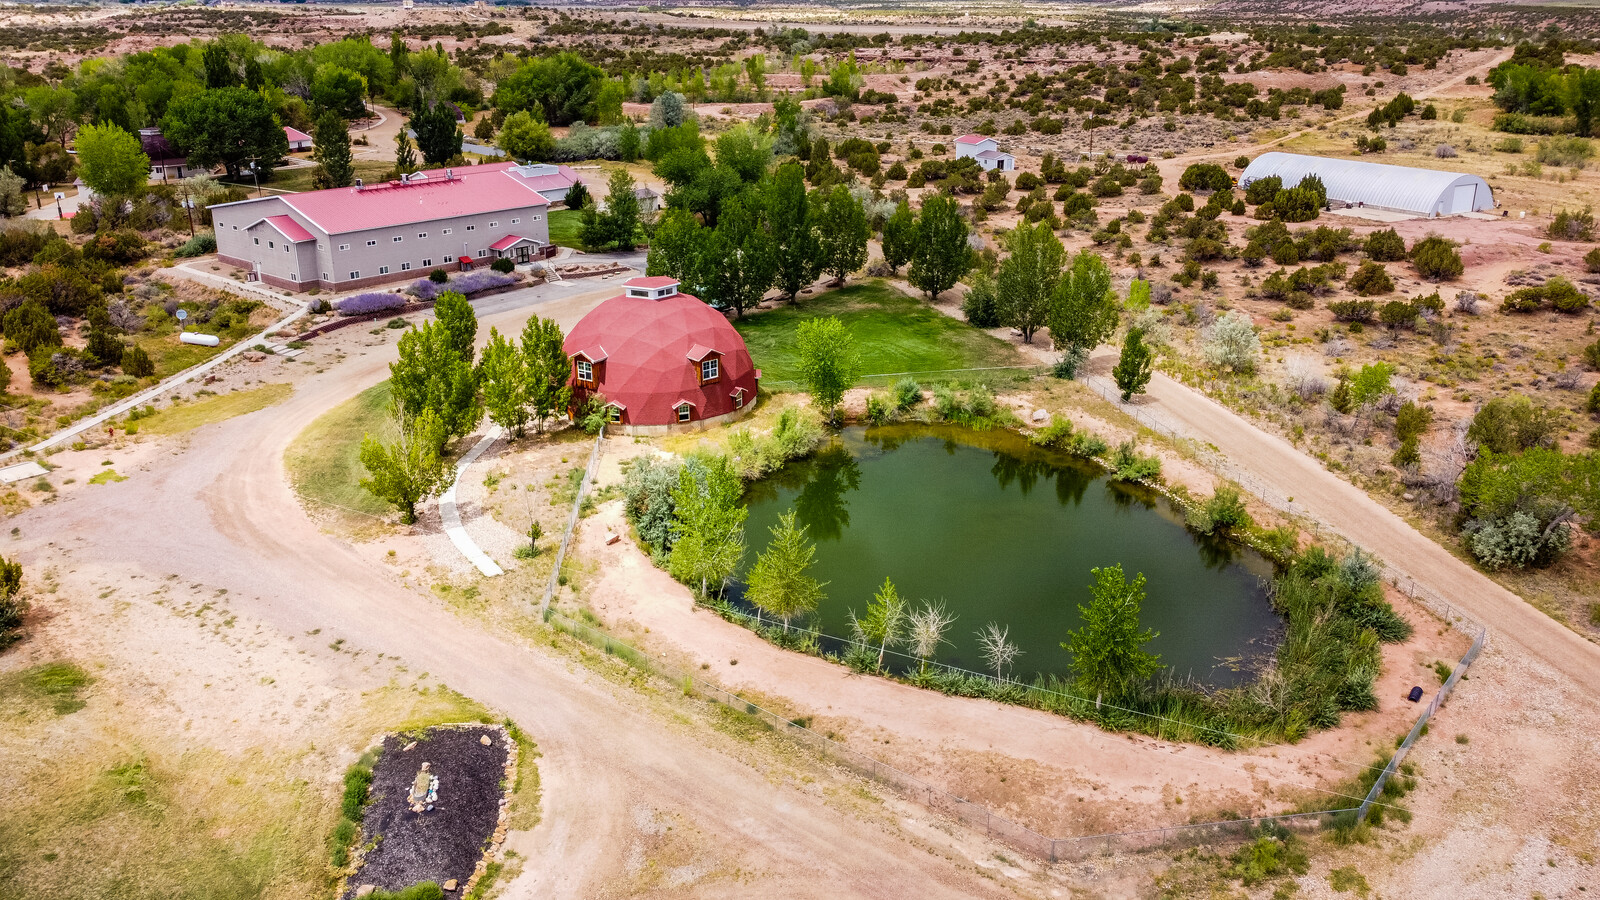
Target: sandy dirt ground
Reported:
[(219, 511)]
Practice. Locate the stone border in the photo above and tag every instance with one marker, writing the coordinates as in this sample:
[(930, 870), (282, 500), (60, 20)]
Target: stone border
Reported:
[(493, 846)]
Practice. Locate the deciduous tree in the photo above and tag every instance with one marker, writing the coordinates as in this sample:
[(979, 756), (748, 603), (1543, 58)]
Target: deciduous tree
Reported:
[(111, 161), (707, 523), (828, 361), (503, 374), (409, 470), (1084, 311), (780, 582), (842, 232), (1132, 372), (942, 255), (548, 368), (796, 256), (228, 126), (884, 625), (526, 138), (330, 147), (739, 260), (1028, 278), (1108, 653), (431, 374), (899, 237)]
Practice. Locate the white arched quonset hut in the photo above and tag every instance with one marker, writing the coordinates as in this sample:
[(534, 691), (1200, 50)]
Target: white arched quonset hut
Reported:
[(1423, 192)]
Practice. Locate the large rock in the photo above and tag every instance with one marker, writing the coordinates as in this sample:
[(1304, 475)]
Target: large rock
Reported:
[(1041, 416), (366, 890)]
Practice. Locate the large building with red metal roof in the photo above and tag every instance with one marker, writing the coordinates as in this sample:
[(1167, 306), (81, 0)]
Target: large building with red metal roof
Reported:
[(661, 360), (348, 238)]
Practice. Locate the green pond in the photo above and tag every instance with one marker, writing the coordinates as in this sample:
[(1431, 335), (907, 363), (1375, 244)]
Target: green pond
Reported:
[(1003, 532)]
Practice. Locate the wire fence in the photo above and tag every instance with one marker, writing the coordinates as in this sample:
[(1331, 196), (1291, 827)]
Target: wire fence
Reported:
[(976, 815)]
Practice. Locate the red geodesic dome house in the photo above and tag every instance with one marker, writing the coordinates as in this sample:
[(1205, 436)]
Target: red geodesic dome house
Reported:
[(661, 359)]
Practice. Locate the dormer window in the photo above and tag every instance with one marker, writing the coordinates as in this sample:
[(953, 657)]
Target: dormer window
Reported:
[(585, 372), (684, 412), (709, 370)]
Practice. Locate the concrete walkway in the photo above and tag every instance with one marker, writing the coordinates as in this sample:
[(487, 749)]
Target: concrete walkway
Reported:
[(450, 513)]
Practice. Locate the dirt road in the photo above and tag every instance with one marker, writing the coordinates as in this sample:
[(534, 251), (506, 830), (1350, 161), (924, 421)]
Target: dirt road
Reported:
[(220, 511)]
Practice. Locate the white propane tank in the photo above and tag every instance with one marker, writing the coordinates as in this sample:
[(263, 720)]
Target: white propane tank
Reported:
[(204, 340)]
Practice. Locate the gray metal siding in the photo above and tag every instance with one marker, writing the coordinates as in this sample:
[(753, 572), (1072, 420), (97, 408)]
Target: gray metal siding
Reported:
[(324, 258), (231, 221)]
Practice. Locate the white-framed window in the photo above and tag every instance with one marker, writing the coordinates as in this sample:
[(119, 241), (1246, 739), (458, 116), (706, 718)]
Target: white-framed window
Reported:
[(286, 248), (405, 267), (398, 238), (383, 270), (491, 225), (709, 369), (344, 246), (235, 228), (536, 219), (447, 231), (684, 412), (738, 399), (422, 234), (427, 262), (372, 243), (585, 371), (614, 415), (294, 276), (257, 240), (325, 277), (355, 274), (472, 228), (319, 246), (515, 221), (482, 253)]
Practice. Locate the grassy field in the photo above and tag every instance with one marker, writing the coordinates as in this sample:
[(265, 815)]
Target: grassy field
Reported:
[(324, 462), (893, 333), (176, 419), (123, 809)]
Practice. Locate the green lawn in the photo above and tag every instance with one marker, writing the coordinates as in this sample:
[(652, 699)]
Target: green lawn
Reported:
[(564, 227), (893, 333), (324, 462)]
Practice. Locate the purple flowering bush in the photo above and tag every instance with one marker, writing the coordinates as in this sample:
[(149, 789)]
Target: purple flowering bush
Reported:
[(477, 282), (361, 304), (423, 289)]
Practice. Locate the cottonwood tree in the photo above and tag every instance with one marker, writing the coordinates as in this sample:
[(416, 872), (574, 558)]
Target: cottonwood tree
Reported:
[(707, 524), (412, 468), (739, 260), (942, 255), (1108, 653), (110, 160), (431, 375), (455, 315), (885, 621), (794, 239), (828, 361), (1028, 278), (230, 126), (548, 368), (1084, 310), (780, 582), (677, 250), (526, 138), (1132, 372), (995, 644), (330, 147), (842, 233), (899, 237), (503, 374)]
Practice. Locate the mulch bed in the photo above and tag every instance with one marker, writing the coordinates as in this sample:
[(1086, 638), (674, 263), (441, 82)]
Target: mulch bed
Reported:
[(447, 841)]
